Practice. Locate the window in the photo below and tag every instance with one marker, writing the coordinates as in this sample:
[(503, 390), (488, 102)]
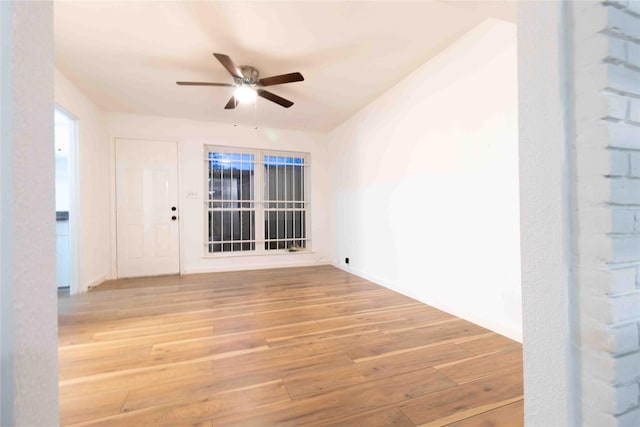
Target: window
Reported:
[(231, 210), (257, 201)]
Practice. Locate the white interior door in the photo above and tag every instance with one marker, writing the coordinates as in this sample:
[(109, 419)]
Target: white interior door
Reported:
[(147, 208)]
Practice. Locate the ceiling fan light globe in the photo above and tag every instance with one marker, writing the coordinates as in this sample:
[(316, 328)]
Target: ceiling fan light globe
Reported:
[(244, 94)]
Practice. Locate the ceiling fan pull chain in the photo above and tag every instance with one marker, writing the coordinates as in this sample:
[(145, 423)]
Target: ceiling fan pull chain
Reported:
[(255, 112)]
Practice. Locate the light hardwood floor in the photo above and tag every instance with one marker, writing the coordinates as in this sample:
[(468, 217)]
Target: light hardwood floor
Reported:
[(290, 347)]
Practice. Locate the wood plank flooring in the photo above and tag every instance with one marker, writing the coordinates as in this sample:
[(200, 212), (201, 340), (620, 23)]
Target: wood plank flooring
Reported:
[(309, 346)]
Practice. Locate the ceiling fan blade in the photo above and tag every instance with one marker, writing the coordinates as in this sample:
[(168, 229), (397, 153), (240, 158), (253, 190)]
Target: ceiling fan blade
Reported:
[(203, 84), (229, 65), (283, 78), (233, 103), (274, 98)]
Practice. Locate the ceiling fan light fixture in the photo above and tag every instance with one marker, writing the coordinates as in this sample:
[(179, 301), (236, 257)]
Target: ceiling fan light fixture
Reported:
[(244, 93)]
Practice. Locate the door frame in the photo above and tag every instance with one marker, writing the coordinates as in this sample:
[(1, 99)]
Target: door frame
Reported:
[(112, 199), (75, 255)]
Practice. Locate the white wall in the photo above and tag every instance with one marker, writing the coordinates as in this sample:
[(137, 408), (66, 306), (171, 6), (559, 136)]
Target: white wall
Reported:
[(28, 311), (192, 136), (546, 191), (93, 183), (5, 26), (63, 134), (424, 183), (62, 184)]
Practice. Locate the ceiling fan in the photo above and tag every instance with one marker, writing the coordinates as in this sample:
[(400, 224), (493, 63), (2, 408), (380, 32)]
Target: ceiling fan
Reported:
[(248, 84)]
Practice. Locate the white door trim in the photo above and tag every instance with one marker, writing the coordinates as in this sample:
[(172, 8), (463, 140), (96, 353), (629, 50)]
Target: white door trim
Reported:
[(75, 255)]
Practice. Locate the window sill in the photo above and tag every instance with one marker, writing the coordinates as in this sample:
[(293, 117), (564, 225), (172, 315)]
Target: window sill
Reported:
[(256, 254)]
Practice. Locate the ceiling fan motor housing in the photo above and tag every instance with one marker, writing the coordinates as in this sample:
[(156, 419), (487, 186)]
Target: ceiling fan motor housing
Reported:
[(250, 75)]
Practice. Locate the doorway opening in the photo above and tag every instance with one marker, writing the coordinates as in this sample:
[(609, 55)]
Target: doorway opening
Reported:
[(65, 149)]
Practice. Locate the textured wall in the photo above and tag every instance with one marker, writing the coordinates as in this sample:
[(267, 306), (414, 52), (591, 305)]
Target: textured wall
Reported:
[(606, 85), (546, 216), (5, 9), (580, 152), (29, 310)]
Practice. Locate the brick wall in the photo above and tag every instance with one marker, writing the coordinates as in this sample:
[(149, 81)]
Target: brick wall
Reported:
[(605, 42)]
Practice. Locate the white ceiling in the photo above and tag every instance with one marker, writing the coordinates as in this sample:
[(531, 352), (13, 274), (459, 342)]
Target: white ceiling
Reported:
[(127, 56)]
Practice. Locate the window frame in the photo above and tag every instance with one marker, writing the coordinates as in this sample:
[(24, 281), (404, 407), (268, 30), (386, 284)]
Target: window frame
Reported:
[(258, 200)]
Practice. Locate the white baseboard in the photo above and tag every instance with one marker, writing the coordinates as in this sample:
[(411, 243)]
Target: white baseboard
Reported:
[(92, 284), (252, 267), (509, 332)]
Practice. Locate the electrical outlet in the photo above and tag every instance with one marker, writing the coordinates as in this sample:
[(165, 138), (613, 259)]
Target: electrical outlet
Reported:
[(346, 260)]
